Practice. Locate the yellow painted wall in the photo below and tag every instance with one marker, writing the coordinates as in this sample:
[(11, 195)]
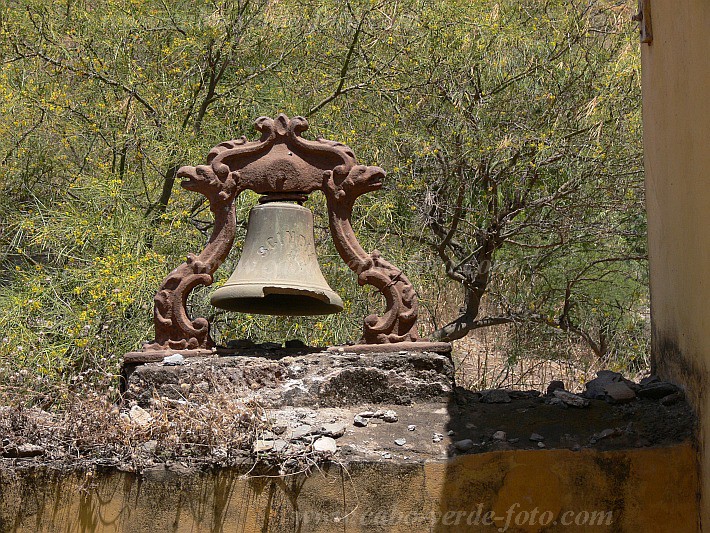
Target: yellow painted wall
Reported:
[(651, 489), (676, 119)]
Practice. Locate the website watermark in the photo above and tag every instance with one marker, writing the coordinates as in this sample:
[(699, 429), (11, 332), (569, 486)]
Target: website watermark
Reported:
[(515, 516)]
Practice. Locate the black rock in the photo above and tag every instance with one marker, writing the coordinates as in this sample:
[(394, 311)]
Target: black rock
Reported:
[(672, 399), (240, 343), (522, 394), (295, 344), (553, 386), (594, 389), (495, 396), (657, 390)]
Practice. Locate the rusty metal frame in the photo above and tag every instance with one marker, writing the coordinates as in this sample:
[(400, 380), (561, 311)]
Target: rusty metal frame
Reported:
[(282, 163)]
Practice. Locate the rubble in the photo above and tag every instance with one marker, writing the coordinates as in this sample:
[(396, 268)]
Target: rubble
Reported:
[(465, 445), (495, 396), (325, 445), (553, 386), (571, 399), (499, 435), (657, 390), (619, 392)]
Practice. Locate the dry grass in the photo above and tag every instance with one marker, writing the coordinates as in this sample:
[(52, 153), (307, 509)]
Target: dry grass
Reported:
[(86, 427), (482, 363), (89, 427)]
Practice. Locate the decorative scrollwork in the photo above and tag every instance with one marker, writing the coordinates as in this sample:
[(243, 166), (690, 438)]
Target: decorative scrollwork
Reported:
[(281, 161)]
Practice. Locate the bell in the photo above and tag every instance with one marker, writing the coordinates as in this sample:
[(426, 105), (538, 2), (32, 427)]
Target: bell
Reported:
[(278, 272)]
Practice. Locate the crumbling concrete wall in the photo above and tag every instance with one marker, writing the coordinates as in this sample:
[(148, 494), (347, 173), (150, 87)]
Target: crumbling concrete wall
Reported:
[(676, 119)]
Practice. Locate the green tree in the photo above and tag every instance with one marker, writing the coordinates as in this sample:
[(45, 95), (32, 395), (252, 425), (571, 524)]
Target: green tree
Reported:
[(511, 133)]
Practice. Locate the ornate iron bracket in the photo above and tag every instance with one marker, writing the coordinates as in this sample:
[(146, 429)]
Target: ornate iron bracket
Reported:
[(282, 162)]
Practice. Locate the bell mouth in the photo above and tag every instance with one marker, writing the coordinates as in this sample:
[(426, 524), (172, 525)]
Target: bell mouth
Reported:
[(277, 301)]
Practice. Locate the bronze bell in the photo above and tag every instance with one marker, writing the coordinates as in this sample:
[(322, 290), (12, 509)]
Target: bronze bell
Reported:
[(278, 272)]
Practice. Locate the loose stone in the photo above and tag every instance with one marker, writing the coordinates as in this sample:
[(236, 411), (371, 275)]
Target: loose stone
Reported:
[(571, 399), (360, 421), (390, 416), (325, 445), (619, 392), (263, 446), (173, 360), (495, 396), (464, 445), (335, 430)]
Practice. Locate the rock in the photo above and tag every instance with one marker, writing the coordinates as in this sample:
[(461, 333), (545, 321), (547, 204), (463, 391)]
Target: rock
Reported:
[(22, 451), (571, 399), (400, 442), (437, 437), (219, 453), (139, 416), (463, 396), (411, 427), (325, 445), (499, 435), (366, 414), (619, 392), (464, 445), (451, 433), (603, 434), (279, 428), (295, 344), (280, 445), (523, 394), (557, 402), (261, 446), (495, 396), (150, 446), (649, 379), (389, 416), (301, 431), (553, 386), (240, 344), (594, 389), (335, 430), (657, 390), (672, 399), (387, 455), (173, 360), (513, 441), (540, 444), (270, 346), (500, 446), (360, 421), (536, 437)]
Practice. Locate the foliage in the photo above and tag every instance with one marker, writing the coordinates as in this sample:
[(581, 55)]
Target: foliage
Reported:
[(469, 105)]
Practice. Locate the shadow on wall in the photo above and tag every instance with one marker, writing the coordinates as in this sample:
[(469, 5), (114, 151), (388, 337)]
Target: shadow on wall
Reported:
[(538, 471)]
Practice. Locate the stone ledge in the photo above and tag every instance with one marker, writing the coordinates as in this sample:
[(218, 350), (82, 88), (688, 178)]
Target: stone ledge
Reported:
[(321, 379)]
